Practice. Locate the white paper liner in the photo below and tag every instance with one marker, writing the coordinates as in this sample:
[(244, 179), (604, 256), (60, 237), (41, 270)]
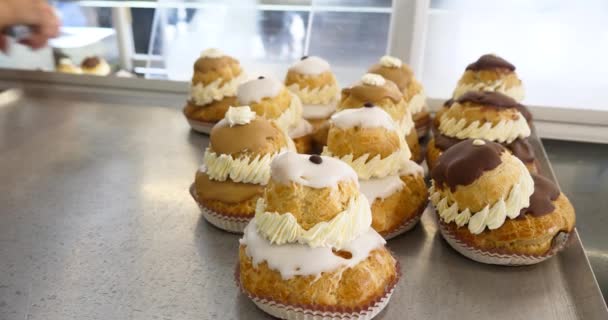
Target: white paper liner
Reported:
[(201, 126), (234, 224), (490, 257)]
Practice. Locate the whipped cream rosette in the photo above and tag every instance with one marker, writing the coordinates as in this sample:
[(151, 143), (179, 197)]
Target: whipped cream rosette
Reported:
[(310, 251), (483, 115), (215, 80), (493, 210), (375, 89), (236, 167), (401, 74), (491, 73), (369, 141)]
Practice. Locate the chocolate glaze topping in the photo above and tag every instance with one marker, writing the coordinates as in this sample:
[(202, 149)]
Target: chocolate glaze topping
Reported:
[(368, 105), (304, 58), (490, 61), (492, 99), (448, 103), (465, 162), (521, 148), (90, 62), (541, 201)]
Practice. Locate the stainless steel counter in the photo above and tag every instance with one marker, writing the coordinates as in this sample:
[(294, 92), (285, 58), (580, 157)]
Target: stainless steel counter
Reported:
[(96, 223)]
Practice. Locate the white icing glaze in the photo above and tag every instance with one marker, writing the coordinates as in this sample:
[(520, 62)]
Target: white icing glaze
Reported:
[(372, 79), (503, 131), (281, 228), (320, 95), (365, 117), (318, 111), (380, 188), (492, 216), (390, 62), (291, 167), (301, 260), (312, 65), (516, 92), (303, 128), (216, 90), (244, 169), (212, 53), (239, 115), (255, 90)]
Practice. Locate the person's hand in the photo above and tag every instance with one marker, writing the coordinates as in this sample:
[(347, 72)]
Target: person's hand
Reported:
[(36, 14)]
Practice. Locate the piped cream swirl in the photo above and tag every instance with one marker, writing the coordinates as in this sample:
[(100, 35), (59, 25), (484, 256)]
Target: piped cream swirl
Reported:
[(503, 131), (291, 116), (281, 228), (417, 102), (491, 216), (216, 90), (375, 167), (515, 92), (320, 95), (245, 169)]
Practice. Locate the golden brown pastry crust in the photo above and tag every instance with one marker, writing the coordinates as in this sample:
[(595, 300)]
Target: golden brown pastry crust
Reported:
[(345, 288), (304, 144), (395, 110), (211, 112), (422, 121), (527, 235), (259, 137), (390, 213), (490, 75), (412, 142), (272, 107), (309, 205), (472, 112), (359, 141), (400, 76), (227, 198), (207, 70), (320, 130), (310, 81)]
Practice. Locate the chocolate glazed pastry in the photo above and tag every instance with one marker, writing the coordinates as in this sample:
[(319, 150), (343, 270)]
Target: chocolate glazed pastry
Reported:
[(490, 61), (90, 62), (541, 201), (492, 99)]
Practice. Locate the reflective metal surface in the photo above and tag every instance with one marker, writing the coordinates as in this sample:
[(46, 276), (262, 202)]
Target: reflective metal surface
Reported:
[(96, 223)]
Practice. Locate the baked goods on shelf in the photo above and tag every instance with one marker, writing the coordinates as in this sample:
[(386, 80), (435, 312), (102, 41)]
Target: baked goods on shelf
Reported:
[(370, 142), (374, 89), (493, 210), (236, 167), (65, 65), (96, 66), (491, 73), (312, 80), (483, 115), (401, 74), (271, 99), (215, 79), (310, 251)]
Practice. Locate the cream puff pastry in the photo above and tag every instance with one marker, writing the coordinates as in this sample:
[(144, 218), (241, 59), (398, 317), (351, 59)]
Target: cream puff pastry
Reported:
[(65, 65), (401, 74), (312, 80), (215, 79), (493, 210), (374, 89), (236, 167), (310, 251), (96, 66), (483, 115), (491, 73), (370, 142)]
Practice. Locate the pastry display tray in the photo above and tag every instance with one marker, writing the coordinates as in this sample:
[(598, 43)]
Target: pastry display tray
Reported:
[(96, 222)]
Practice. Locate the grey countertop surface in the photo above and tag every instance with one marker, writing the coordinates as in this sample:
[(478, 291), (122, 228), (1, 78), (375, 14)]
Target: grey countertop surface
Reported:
[(96, 223)]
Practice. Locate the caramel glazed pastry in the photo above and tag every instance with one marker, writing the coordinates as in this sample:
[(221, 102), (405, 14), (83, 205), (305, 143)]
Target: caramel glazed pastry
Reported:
[(65, 65), (493, 210), (369, 141), (491, 73), (483, 115), (401, 74), (374, 89), (312, 80), (95, 66), (215, 80), (236, 167), (310, 251)]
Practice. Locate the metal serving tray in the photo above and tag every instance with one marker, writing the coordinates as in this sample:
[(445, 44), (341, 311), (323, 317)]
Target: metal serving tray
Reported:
[(96, 222)]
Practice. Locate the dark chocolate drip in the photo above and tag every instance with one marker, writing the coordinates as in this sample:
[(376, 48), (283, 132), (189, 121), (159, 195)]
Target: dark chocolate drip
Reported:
[(488, 99), (520, 147), (465, 162), (525, 112), (90, 62), (490, 61), (541, 201), (448, 103)]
